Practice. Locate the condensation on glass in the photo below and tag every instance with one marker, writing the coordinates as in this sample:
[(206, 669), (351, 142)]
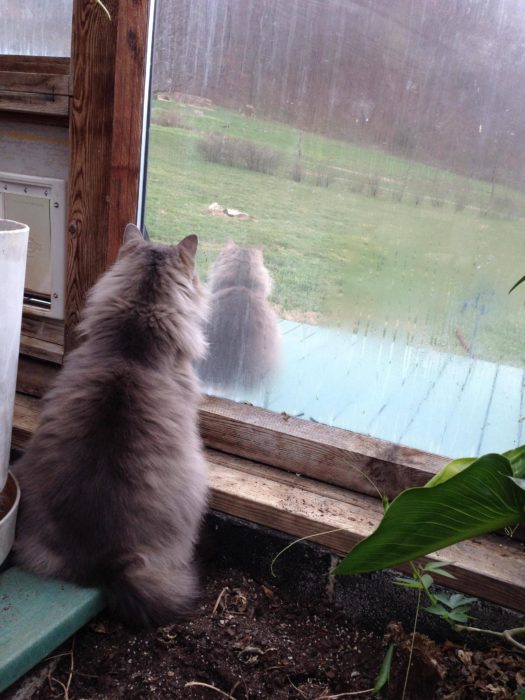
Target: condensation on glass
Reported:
[(35, 27), (371, 154)]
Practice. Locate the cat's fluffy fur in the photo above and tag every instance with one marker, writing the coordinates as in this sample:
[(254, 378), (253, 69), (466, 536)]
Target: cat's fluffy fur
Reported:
[(242, 330), (114, 483)]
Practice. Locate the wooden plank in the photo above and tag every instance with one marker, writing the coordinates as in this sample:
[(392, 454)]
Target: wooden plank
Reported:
[(35, 376), (108, 59), (47, 83), (487, 567), (34, 64), (426, 428), (132, 34), (8, 116), (49, 329), (42, 349), (466, 417), (93, 56), (34, 102), (502, 426), (25, 420), (334, 455)]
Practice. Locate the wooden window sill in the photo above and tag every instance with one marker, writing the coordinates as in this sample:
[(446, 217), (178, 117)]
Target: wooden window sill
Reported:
[(487, 567)]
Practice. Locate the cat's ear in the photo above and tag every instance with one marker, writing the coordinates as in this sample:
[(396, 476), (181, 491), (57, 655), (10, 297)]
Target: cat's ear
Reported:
[(188, 247), (131, 240), (132, 233)]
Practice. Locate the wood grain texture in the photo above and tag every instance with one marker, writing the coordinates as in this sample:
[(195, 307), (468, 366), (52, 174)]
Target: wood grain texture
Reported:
[(333, 455), (39, 103), (93, 56), (47, 83), (25, 419), (41, 349), (127, 121), (49, 329), (488, 567), (35, 376), (34, 64), (107, 58)]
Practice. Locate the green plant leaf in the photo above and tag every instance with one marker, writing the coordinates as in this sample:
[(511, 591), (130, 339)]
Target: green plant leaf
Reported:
[(457, 599), (479, 499), (518, 482), (437, 609), (384, 672), (407, 583), (458, 616), (427, 581), (450, 470), (435, 565), (443, 598), (516, 458), (517, 284)]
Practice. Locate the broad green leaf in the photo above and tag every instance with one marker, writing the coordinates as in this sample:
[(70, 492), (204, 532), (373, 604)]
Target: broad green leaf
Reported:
[(517, 284), (384, 672), (479, 499), (450, 470), (518, 482), (516, 458)]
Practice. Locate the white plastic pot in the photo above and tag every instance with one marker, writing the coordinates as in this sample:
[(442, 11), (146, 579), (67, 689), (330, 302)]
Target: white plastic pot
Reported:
[(13, 254)]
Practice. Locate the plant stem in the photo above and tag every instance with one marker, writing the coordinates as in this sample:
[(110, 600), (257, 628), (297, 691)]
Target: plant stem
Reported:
[(508, 635), (412, 644)]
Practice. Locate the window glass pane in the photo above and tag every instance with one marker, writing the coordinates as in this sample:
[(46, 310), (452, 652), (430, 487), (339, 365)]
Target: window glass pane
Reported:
[(36, 27), (374, 149)]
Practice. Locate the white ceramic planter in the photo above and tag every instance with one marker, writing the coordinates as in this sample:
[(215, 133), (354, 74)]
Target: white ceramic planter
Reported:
[(13, 253)]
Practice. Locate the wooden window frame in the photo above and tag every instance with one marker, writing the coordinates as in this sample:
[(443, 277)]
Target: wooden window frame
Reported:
[(280, 471)]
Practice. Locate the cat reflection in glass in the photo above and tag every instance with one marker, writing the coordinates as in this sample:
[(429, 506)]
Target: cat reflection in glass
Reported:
[(242, 329)]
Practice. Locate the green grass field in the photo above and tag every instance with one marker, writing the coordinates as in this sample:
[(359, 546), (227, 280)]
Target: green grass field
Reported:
[(430, 257)]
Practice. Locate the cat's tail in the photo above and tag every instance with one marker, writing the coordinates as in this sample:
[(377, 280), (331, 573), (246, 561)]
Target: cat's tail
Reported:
[(144, 597)]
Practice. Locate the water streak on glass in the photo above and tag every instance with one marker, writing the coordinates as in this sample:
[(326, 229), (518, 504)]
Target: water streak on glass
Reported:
[(36, 27), (372, 150)]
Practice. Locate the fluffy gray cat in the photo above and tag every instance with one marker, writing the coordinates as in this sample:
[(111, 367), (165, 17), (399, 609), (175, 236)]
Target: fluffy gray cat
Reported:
[(114, 482), (242, 329)]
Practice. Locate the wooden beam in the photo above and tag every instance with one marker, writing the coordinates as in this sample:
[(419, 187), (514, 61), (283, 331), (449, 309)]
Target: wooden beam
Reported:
[(93, 56), (336, 456), (127, 120), (39, 103), (34, 64), (45, 83), (25, 420), (108, 59), (35, 376), (487, 567)]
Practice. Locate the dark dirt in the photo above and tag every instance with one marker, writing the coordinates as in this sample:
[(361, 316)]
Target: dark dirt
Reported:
[(249, 643)]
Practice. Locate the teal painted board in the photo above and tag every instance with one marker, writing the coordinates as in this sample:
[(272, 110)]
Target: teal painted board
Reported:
[(462, 432), (394, 390), (380, 370), (502, 427), (426, 429), (36, 616), (399, 409)]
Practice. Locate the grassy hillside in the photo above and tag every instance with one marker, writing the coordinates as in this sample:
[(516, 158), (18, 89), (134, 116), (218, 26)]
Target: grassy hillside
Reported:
[(388, 244)]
